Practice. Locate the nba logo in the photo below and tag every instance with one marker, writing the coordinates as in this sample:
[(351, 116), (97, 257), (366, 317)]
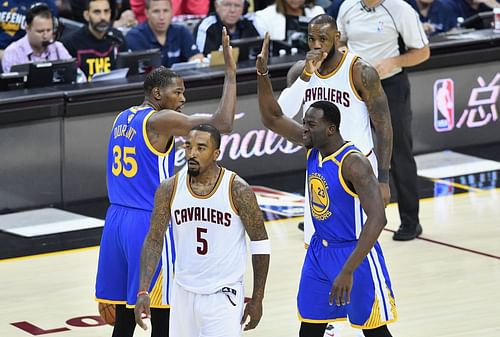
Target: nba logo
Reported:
[(444, 105)]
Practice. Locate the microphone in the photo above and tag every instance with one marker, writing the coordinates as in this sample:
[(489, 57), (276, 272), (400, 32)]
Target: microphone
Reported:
[(45, 44), (114, 37), (365, 8)]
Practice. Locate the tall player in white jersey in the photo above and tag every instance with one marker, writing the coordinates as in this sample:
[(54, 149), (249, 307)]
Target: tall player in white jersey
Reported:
[(209, 208), (342, 78)]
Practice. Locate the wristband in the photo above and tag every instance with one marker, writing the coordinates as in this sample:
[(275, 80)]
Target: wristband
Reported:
[(264, 73), (305, 72), (383, 176), (142, 292), (260, 247)]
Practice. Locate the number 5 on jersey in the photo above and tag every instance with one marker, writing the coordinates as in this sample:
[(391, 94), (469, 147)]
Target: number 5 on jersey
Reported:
[(202, 249), (124, 161)]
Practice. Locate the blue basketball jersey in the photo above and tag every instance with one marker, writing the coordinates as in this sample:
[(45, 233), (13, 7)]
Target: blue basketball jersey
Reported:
[(135, 168), (336, 211)]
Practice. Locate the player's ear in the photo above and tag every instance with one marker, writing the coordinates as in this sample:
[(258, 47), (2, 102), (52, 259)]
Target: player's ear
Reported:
[(216, 154), (332, 129), (156, 93), (86, 15)]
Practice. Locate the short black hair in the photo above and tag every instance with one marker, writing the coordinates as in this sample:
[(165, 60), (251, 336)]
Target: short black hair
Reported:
[(331, 112), (111, 5), (38, 9), (214, 133), (322, 19), (160, 77)]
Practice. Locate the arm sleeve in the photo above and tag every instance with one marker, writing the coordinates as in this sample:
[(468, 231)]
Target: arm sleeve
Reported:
[(290, 100), (340, 23), (411, 28), (8, 59), (188, 46), (63, 52)]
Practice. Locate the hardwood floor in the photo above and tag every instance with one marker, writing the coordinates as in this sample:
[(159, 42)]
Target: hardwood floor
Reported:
[(447, 283)]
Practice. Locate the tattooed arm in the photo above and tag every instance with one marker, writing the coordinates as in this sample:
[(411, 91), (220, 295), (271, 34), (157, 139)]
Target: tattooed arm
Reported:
[(153, 246), (246, 203), (367, 83)]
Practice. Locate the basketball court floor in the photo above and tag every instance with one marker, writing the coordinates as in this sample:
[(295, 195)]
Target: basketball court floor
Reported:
[(447, 282)]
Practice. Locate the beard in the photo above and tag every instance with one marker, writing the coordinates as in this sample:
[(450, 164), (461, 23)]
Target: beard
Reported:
[(193, 172), (101, 26)]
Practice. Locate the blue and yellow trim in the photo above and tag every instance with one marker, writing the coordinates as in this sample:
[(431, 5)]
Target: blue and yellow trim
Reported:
[(306, 320), (341, 178), (148, 142)]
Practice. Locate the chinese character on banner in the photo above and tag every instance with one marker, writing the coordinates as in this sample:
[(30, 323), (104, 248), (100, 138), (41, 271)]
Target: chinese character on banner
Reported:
[(482, 110), (444, 107)]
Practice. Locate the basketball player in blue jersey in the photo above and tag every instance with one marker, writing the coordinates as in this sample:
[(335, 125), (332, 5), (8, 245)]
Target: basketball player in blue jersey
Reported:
[(140, 155), (209, 209), (354, 86), (344, 274)]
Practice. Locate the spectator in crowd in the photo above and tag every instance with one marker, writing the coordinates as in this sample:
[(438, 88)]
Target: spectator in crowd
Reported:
[(437, 16), (228, 13), (333, 9), (372, 29), (287, 20), (13, 20), (96, 45), (179, 7), (38, 44), (175, 41)]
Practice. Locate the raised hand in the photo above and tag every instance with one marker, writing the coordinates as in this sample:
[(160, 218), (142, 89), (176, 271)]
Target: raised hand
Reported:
[(263, 57), (227, 51), (314, 58)]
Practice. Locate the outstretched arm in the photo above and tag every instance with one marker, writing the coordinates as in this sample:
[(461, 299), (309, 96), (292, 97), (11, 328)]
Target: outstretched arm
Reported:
[(357, 170), (246, 203), (368, 84), (153, 246), (172, 123), (271, 114)]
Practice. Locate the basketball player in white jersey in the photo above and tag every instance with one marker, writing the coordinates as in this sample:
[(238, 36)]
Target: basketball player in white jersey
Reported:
[(210, 208), (354, 86)]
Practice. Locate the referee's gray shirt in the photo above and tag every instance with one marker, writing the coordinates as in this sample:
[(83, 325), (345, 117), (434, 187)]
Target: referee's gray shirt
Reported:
[(373, 33)]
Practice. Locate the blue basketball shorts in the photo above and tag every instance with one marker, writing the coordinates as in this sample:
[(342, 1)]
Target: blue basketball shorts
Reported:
[(372, 300), (118, 269)]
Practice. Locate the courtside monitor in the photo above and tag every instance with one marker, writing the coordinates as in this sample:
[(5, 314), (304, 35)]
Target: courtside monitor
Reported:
[(249, 47), (41, 74), (140, 61)]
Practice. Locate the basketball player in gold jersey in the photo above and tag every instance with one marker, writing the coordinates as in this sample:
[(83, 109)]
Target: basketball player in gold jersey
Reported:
[(210, 209)]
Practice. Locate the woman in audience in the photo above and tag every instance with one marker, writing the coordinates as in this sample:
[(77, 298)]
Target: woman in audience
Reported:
[(287, 20)]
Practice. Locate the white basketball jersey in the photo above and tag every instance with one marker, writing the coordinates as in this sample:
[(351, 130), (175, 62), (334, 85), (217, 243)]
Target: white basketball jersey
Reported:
[(338, 88), (209, 236)]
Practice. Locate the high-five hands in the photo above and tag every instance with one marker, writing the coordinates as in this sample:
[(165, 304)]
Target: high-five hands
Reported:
[(263, 57), (227, 51)]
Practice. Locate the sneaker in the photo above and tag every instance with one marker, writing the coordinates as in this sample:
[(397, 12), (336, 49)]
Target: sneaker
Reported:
[(330, 331), (407, 232), (301, 226)]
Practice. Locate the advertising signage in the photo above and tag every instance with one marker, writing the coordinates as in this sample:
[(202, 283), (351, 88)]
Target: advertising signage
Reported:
[(455, 107)]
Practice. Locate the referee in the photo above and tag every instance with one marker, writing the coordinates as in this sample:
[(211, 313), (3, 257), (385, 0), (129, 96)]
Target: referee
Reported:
[(388, 34)]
